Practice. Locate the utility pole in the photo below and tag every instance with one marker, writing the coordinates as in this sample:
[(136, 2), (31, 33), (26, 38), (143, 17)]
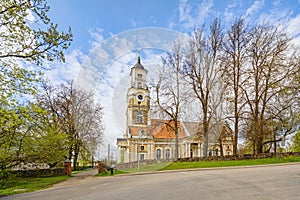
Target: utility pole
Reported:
[(108, 153)]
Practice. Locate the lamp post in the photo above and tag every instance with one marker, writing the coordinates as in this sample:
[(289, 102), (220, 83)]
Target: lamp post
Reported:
[(138, 149)]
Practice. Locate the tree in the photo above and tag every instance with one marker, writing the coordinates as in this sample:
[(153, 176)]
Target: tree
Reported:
[(23, 43), (22, 40), (75, 113), (171, 92), (28, 38), (296, 143), (44, 141), (234, 59), (30, 138), (203, 73), (271, 66)]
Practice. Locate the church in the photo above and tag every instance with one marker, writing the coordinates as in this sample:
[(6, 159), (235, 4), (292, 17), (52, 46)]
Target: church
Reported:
[(148, 138)]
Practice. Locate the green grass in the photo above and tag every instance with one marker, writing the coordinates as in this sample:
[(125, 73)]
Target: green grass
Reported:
[(108, 173), (21, 185), (144, 168), (229, 163), (147, 168)]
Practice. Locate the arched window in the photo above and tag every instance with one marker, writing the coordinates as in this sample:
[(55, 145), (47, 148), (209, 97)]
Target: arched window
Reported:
[(168, 154), (139, 85), (158, 154), (209, 152), (217, 152)]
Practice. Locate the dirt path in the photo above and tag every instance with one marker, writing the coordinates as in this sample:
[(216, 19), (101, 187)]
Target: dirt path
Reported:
[(78, 178)]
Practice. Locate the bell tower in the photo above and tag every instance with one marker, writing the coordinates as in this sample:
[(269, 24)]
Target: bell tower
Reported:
[(138, 97)]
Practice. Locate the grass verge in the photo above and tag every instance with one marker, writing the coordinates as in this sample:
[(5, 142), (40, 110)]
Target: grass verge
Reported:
[(108, 173), (230, 163), (21, 185), (147, 168), (143, 168)]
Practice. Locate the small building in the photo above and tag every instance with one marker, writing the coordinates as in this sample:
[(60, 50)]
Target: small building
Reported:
[(147, 138)]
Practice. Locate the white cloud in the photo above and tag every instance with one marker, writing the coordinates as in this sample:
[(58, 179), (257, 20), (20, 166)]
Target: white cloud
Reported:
[(96, 35), (229, 13), (30, 17), (184, 11), (191, 15), (293, 29), (62, 72), (255, 7), (293, 26)]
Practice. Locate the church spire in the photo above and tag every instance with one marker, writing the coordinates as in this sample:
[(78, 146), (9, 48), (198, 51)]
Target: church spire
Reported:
[(138, 64), (139, 56)]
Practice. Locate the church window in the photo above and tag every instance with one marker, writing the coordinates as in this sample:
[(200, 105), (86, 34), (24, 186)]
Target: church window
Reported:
[(139, 85), (140, 75), (209, 152), (158, 154), (168, 153), (139, 117), (142, 156), (217, 152), (142, 148)]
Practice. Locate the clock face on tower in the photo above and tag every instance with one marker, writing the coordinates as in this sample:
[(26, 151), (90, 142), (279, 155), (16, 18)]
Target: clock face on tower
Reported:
[(140, 97)]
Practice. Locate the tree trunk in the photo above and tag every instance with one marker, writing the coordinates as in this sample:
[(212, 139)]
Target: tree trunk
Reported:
[(176, 146), (236, 132), (76, 154)]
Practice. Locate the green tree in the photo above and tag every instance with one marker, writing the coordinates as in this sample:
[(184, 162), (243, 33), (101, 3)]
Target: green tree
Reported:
[(27, 33), (28, 38), (75, 113), (28, 136), (296, 143)]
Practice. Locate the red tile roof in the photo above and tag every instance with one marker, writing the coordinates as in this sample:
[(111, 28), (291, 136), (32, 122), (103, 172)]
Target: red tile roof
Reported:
[(160, 129)]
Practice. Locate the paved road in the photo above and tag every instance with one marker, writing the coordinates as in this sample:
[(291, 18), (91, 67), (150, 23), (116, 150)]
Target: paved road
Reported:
[(267, 182)]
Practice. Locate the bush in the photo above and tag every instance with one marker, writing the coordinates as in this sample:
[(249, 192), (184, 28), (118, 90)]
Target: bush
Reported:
[(4, 174), (39, 172)]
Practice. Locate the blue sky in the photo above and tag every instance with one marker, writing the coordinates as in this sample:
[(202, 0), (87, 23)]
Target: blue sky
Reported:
[(107, 34), (115, 16)]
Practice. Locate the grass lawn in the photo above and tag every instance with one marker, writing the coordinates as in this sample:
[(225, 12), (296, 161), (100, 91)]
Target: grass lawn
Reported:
[(230, 163), (204, 164), (150, 167), (21, 185), (107, 173), (143, 168)]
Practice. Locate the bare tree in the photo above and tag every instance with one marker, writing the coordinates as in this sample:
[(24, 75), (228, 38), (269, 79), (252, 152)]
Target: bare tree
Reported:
[(170, 90), (234, 59), (268, 74), (203, 72)]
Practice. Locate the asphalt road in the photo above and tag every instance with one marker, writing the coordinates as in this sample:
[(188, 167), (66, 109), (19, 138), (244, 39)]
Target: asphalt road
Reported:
[(267, 182)]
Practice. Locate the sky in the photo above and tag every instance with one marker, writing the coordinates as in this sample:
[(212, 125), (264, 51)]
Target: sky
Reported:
[(108, 33)]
